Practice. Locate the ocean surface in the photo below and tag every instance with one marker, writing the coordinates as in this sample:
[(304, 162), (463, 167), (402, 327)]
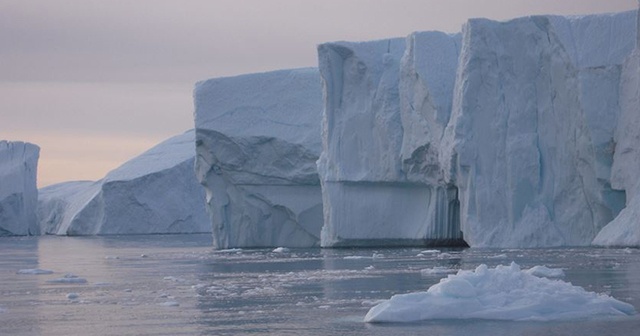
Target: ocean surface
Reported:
[(178, 285)]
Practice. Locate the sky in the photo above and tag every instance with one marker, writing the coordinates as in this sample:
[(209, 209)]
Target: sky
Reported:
[(95, 83)]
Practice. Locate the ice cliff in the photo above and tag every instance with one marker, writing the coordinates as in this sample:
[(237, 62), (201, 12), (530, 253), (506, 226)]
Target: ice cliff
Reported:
[(386, 104), (257, 142), (18, 191), (624, 230), (505, 132), (530, 137), (156, 192)]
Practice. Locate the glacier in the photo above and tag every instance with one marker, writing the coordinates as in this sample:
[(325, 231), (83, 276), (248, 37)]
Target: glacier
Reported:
[(155, 192), (500, 136), (18, 188), (257, 143)]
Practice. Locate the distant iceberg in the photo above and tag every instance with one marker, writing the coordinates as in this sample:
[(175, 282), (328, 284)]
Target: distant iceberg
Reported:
[(156, 192), (501, 293), (18, 190)]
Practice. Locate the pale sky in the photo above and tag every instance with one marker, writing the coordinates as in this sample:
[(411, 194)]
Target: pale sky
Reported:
[(95, 83)]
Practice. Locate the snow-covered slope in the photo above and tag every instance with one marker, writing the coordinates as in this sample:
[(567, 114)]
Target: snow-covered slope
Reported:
[(18, 191), (156, 192), (257, 141)]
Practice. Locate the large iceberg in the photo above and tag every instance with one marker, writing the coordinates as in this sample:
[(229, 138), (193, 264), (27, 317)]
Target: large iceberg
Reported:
[(624, 230), (18, 190), (503, 134), (257, 143), (501, 293), (156, 192), (529, 143), (386, 104)]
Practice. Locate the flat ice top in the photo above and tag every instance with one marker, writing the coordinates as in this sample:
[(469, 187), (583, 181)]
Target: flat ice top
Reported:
[(165, 155), (501, 293), (285, 104)]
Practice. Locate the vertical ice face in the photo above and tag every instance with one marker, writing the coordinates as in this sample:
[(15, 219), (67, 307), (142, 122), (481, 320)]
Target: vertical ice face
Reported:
[(529, 142), (156, 192), (624, 230), (427, 79), (386, 105), (257, 143), (18, 191)]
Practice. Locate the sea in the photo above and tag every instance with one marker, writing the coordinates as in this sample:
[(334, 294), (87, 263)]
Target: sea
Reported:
[(180, 285)]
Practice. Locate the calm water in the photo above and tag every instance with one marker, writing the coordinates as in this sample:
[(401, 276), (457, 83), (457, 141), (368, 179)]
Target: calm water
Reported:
[(177, 285)]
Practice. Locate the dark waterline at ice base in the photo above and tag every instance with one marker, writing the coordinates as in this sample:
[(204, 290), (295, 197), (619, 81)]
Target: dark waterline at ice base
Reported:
[(178, 285)]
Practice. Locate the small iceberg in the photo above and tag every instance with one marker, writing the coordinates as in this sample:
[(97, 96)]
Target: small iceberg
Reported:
[(280, 250), (501, 293), (546, 272), (68, 279)]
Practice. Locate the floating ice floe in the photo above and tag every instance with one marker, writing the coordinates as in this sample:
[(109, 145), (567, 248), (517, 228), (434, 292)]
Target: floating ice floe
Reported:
[(68, 279), (436, 271), (34, 271), (543, 271), (501, 293), (170, 304)]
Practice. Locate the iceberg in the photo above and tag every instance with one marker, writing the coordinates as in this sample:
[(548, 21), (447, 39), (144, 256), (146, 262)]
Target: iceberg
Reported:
[(154, 193), (18, 190), (519, 144), (500, 136), (624, 230), (386, 104), (257, 143), (500, 293)]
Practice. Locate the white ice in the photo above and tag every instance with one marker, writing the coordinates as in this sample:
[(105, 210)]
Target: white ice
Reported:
[(18, 191), (156, 192), (504, 132), (257, 142), (501, 293), (544, 271), (624, 230)]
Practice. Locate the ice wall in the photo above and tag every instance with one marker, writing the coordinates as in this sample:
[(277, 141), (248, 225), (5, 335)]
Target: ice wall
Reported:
[(624, 230), (386, 104), (257, 141), (505, 132), (156, 192), (18, 191), (526, 143)]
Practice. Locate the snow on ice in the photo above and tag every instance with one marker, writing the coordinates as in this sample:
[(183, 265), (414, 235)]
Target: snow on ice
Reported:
[(501, 293), (156, 192)]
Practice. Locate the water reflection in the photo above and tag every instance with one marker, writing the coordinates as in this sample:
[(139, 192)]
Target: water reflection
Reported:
[(179, 285)]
